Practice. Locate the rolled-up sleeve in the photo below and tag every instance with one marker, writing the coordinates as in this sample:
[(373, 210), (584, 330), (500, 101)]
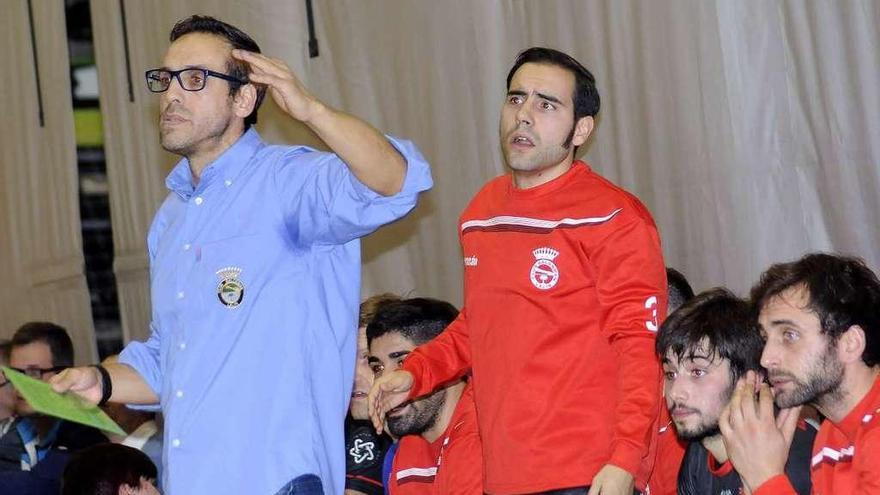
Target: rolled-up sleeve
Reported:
[(324, 202)]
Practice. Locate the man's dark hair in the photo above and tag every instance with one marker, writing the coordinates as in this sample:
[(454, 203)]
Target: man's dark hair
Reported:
[(842, 291), (52, 335), (679, 289), (718, 322), (102, 469), (419, 319), (586, 95), (234, 67), (371, 305)]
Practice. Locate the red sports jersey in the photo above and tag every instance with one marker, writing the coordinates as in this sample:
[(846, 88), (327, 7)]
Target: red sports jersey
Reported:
[(846, 455), (564, 290), (452, 464), (670, 452)]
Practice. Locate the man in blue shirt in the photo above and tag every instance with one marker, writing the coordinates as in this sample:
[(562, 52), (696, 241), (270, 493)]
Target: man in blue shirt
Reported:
[(255, 273)]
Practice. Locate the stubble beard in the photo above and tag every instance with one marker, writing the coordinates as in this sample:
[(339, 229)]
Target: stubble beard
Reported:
[(540, 158), (705, 429), (822, 384), (186, 139), (420, 418)]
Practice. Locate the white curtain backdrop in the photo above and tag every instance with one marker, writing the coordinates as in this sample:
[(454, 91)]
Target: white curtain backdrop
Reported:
[(41, 262), (749, 128)]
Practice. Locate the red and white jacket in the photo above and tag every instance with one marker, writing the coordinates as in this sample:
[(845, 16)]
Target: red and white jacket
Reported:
[(564, 290), (450, 465)]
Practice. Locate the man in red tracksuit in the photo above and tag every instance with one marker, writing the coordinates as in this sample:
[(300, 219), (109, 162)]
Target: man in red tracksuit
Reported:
[(565, 288), (439, 449), (820, 317)]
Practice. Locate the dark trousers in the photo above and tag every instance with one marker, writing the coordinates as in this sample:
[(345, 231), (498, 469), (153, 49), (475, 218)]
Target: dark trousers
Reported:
[(307, 484)]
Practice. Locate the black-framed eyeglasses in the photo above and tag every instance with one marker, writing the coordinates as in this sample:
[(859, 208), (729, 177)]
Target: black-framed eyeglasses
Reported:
[(192, 79), (39, 372)]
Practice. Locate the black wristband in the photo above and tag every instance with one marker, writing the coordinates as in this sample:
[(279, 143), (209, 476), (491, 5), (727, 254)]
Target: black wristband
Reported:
[(106, 384)]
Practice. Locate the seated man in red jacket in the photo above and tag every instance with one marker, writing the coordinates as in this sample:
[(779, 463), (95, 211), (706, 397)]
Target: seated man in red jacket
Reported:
[(820, 318), (439, 450)]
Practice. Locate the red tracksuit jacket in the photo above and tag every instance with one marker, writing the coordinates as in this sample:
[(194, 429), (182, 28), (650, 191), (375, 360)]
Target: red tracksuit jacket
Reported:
[(450, 465), (564, 289)]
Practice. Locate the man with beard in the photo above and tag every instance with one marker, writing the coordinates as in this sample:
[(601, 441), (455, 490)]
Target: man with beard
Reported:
[(564, 289), (255, 272), (705, 347), (439, 450), (820, 318)]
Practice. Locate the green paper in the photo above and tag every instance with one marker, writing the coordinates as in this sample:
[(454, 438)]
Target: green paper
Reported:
[(69, 406)]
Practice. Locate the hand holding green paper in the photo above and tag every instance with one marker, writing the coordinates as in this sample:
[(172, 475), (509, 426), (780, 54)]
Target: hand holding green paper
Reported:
[(67, 406)]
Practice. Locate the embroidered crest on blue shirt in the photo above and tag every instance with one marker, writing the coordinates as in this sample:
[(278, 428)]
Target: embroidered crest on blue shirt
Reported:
[(231, 289)]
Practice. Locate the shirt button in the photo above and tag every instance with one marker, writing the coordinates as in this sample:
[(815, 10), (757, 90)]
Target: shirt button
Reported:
[(187, 246), (176, 442), (227, 182), (182, 345), (180, 295), (179, 394), (199, 200)]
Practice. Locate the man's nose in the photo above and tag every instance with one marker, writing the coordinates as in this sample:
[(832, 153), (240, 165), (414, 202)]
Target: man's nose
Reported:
[(524, 114), (676, 390), (770, 355)]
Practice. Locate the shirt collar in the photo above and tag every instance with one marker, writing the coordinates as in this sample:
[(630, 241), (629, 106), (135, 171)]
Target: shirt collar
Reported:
[(225, 167), (28, 432)]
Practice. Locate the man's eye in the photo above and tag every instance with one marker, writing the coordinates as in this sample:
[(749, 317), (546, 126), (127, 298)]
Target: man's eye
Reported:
[(548, 106), (377, 369), (670, 375), (790, 335), (516, 99), (698, 372)]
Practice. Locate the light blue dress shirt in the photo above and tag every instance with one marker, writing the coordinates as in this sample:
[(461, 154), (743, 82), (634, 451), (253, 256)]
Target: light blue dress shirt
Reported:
[(255, 280)]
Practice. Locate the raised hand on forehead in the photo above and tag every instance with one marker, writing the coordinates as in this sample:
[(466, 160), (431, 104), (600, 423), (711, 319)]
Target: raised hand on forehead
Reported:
[(286, 89)]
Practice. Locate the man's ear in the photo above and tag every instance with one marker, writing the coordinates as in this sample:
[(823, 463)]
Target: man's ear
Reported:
[(851, 344), (582, 130), (244, 100)]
